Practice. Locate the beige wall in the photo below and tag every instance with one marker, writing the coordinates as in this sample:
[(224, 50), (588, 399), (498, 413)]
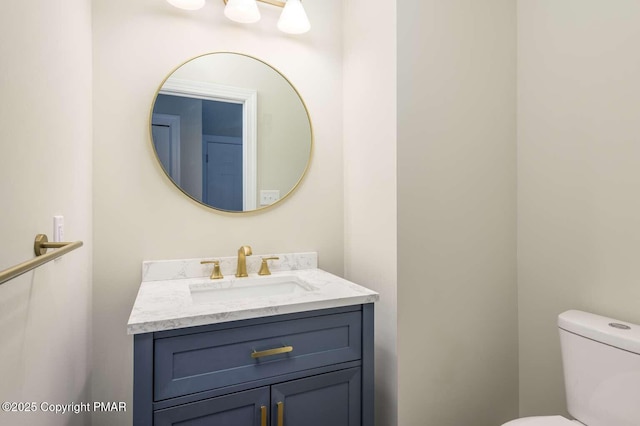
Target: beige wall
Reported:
[(45, 170), (457, 316), (370, 179), (578, 177), (139, 215)]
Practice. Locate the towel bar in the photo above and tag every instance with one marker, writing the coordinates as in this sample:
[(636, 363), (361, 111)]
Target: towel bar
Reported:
[(40, 246)]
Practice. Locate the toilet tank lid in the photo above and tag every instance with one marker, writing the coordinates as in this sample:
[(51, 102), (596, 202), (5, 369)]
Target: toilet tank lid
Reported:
[(620, 334)]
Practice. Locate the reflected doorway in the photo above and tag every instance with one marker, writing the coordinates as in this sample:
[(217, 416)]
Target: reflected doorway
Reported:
[(223, 176), (215, 125)]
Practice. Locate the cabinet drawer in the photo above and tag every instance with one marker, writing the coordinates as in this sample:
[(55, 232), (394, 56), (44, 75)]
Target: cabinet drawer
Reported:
[(215, 359)]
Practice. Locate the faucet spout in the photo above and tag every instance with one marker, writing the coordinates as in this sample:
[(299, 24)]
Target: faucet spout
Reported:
[(243, 252)]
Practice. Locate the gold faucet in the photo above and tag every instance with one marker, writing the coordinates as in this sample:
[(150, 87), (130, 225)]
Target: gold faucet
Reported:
[(264, 267), (215, 273), (243, 252)]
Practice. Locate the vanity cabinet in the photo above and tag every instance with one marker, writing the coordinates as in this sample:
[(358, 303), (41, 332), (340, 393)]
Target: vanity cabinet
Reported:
[(313, 368)]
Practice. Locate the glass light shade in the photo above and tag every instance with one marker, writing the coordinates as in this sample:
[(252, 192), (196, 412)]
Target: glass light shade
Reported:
[(243, 11), (293, 19), (187, 4)]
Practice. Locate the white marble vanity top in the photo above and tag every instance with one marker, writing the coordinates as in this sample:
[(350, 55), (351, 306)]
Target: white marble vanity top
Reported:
[(166, 299)]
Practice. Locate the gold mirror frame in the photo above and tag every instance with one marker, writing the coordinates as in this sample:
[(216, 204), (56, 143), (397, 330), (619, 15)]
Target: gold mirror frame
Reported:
[(201, 203)]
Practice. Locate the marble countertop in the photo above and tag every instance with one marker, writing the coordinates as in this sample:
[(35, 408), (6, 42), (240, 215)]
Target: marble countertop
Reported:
[(165, 300)]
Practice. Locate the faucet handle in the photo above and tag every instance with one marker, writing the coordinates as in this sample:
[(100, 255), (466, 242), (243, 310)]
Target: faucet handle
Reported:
[(215, 274), (264, 267)]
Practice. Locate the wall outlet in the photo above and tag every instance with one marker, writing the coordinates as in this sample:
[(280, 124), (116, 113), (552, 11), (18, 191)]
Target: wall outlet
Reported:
[(269, 196), (58, 229)]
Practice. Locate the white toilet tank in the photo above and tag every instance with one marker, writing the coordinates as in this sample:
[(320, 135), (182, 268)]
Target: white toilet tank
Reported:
[(601, 361)]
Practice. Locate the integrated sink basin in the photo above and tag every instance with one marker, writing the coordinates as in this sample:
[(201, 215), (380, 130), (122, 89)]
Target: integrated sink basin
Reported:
[(248, 288)]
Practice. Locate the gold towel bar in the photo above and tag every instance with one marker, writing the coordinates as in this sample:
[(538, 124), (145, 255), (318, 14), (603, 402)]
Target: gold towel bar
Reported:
[(40, 247)]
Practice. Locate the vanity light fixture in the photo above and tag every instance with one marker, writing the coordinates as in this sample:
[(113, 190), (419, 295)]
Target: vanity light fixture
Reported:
[(243, 11), (293, 19), (187, 4)]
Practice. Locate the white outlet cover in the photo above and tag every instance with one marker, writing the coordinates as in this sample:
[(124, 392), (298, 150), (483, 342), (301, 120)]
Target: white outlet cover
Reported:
[(269, 196)]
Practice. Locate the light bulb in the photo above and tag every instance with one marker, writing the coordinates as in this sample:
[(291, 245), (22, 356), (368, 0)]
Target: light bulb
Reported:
[(187, 4), (243, 11), (293, 19)]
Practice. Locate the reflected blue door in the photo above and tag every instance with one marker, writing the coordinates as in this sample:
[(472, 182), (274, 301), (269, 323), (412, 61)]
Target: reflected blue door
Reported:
[(222, 177), (222, 173)]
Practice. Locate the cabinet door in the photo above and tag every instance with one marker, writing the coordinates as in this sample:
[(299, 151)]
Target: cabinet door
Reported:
[(331, 399), (247, 408)]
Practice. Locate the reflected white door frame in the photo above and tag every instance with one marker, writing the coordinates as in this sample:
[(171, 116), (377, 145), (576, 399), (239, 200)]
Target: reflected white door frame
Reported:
[(239, 95)]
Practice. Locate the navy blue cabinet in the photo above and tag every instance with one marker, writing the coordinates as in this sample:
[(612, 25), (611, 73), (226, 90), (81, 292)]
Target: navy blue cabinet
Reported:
[(306, 369), (327, 399), (247, 408)]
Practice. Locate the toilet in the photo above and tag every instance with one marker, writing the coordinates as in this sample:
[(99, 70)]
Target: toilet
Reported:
[(601, 361)]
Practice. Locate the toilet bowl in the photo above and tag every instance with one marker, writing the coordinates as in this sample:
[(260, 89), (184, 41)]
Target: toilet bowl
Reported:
[(601, 363), (543, 421)]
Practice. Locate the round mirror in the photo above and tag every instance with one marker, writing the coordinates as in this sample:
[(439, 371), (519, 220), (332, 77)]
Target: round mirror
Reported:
[(231, 132)]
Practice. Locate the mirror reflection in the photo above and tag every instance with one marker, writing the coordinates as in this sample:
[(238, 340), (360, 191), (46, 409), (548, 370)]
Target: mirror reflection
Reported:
[(231, 132)]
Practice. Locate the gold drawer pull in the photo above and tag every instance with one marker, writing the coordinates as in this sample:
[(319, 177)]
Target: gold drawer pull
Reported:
[(280, 413), (263, 416), (270, 352)]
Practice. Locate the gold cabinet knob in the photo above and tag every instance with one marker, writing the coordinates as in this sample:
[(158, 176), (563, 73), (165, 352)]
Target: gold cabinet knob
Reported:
[(264, 267), (215, 274)]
